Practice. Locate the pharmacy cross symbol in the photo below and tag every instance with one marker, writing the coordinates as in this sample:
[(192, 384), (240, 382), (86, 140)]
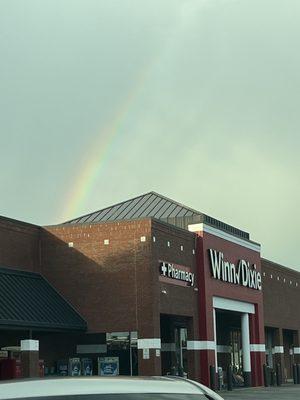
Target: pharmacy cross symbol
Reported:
[(163, 269)]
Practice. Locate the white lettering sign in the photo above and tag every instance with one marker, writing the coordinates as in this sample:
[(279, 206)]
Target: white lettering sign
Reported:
[(177, 272), (241, 274)]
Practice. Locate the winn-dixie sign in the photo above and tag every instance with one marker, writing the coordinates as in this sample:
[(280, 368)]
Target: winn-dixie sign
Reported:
[(241, 273), (179, 273)]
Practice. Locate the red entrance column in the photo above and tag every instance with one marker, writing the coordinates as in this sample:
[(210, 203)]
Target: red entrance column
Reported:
[(207, 343), (234, 253), (257, 346)]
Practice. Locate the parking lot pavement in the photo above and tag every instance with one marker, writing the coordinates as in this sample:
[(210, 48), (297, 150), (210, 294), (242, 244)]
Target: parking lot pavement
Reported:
[(285, 392)]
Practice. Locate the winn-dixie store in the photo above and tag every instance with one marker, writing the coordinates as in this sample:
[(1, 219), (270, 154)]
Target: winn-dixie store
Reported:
[(231, 324), (157, 290), (156, 287), (193, 296)]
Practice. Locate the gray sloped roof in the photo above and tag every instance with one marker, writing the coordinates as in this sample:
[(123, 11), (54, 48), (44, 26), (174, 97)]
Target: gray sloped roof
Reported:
[(154, 205), (27, 300), (147, 205)]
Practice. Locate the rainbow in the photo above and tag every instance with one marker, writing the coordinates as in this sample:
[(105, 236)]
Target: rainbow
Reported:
[(98, 153)]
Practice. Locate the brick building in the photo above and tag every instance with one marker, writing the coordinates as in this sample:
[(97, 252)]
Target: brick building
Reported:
[(157, 284)]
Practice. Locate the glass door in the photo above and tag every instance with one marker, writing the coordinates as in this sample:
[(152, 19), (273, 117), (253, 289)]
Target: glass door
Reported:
[(180, 336), (237, 357), (236, 351)]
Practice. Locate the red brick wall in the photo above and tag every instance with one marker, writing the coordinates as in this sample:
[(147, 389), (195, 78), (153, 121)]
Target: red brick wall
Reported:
[(281, 292), (178, 300), (19, 245), (99, 280)]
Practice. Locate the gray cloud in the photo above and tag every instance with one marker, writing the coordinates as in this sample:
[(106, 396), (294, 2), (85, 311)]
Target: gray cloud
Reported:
[(214, 125)]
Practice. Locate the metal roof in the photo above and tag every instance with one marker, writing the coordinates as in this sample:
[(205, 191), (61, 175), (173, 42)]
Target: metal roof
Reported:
[(154, 205), (27, 300)]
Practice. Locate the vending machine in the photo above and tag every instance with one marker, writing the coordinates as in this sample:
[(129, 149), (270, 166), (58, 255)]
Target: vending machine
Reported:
[(108, 366), (62, 367), (86, 366), (74, 367)]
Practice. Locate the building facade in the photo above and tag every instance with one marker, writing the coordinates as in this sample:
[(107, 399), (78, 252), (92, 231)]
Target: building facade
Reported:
[(162, 287)]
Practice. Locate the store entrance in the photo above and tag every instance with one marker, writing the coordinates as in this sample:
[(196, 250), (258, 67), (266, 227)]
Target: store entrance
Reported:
[(229, 345), (174, 354)]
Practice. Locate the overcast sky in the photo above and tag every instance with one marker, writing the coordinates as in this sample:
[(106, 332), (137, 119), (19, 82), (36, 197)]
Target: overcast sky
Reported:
[(195, 99)]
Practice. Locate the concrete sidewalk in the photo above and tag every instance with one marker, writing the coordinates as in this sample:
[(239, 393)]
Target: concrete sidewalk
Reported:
[(284, 392)]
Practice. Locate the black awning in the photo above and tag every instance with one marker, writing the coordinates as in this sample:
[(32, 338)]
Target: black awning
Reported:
[(27, 300)]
